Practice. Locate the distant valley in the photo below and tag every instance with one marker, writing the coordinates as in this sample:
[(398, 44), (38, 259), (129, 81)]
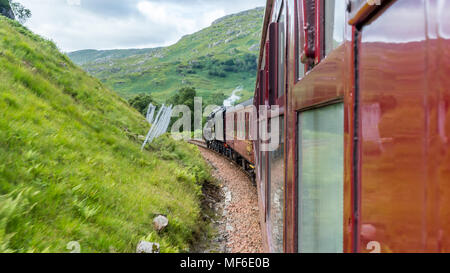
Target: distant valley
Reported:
[(215, 60)]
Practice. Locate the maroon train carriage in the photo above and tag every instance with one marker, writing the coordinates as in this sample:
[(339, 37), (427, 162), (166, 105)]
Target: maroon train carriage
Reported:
[(233, 134), (363, 90), (364, 93)]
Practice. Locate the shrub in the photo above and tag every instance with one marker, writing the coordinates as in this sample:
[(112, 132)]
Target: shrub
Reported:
[(141, 103)]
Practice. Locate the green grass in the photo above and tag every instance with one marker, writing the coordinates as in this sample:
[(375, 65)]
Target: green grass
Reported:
[(71, 168), (189, 62)]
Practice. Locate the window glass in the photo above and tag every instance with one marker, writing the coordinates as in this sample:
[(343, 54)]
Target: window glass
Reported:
[(263, 163), (321, 180), (301, 66), (334, 24), (276, 192), (281, 52), (262, 82), (247, 126), (300, 42), (236, 126), (263, 169), (241, 125)]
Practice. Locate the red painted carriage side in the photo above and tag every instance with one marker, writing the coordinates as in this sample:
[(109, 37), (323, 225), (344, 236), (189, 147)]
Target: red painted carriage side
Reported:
[(404, 114), (391, 74), (244, 130)]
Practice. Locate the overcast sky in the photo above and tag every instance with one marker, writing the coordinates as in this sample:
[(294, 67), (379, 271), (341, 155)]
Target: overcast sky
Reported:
[(111, 24)]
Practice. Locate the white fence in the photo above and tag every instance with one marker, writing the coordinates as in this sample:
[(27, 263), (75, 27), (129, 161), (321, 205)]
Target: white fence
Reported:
[(150, 113), (160, 124)]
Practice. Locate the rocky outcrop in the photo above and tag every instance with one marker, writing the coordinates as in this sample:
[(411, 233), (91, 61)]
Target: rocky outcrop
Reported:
[(6, 10)]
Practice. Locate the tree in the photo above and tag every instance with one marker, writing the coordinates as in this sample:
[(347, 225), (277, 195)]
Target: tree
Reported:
[(21, 13), (217, 99), (141, 102), (5, 9), (185, 96)]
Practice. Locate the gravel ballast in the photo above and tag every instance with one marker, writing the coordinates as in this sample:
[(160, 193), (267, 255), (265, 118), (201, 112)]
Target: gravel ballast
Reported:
[(239, 220)]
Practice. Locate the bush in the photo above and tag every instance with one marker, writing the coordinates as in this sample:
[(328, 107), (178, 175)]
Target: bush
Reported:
[(141, 103), (217, 72)]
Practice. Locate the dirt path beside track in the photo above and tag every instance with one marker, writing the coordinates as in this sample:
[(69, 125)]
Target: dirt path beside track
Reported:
[(238, 225)]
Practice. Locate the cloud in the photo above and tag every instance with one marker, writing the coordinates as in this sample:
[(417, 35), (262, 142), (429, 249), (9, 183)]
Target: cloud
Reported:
[(74, 2), (111, 8), (181, 18), (109, 24)]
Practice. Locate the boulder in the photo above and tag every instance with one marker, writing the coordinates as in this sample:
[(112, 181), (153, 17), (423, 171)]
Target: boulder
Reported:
[(147, 247), (160, 222)]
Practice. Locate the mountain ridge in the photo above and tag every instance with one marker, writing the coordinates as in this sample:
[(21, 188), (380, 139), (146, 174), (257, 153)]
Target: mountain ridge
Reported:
[(214, 60)]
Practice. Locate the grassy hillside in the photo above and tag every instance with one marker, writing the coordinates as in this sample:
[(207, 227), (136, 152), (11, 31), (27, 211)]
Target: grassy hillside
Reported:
[(89, 55), (71, 168), (214, 60)]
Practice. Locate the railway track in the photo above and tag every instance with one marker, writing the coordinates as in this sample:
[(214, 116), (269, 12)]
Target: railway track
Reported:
[(237, 210), (202, 144)]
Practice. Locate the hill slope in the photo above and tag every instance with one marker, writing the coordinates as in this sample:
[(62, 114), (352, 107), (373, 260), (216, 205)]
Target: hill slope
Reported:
[(71, 168), (214, 60)]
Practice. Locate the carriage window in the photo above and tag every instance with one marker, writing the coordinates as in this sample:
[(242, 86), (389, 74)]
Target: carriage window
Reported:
[(262, 82), (276, 192), (241, 125), (262, 176), (236, 126), (247, 126), (334, 11), (321, 180), (301, 40), (301, 66), (263, 165), (281, 52)]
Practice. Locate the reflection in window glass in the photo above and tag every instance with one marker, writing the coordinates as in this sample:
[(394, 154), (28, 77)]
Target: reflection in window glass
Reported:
[(321, 180), (276, 192), (334, 24), (300, 46), (281, 52), (301, 66)]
